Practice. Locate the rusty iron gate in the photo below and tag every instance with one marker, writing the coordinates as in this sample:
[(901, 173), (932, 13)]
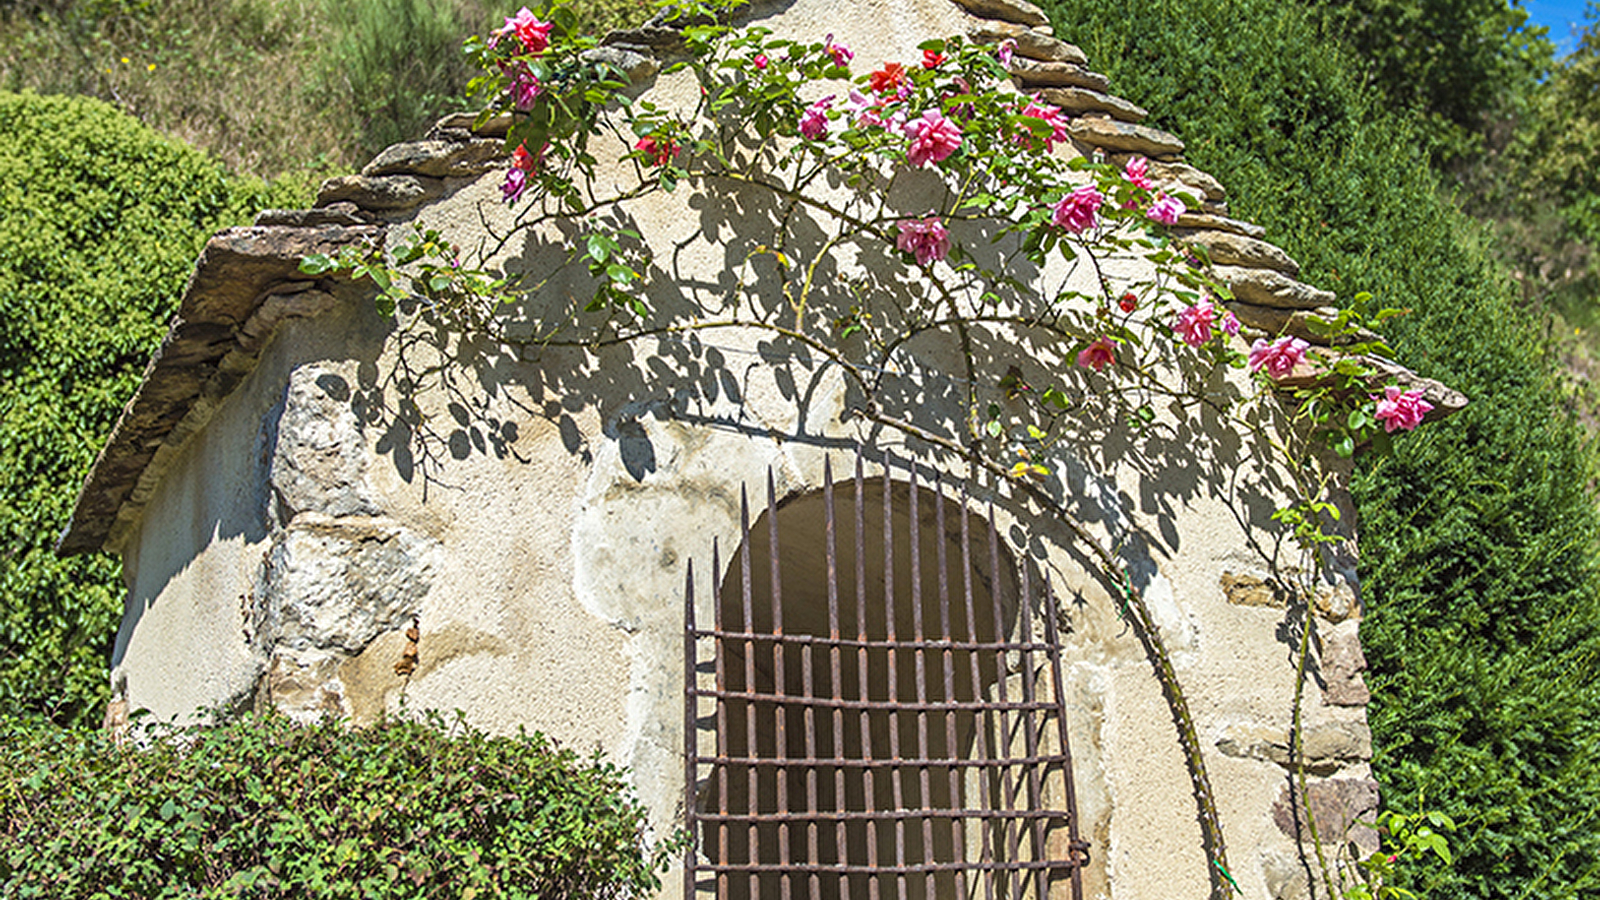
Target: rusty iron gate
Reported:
[(878, 752)]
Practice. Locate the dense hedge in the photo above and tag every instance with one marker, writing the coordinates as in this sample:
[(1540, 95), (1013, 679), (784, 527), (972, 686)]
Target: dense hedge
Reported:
[(265, 808), (1478, 537), (100, 223)]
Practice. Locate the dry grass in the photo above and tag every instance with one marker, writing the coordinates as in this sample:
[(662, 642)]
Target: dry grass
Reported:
[(279, 89)]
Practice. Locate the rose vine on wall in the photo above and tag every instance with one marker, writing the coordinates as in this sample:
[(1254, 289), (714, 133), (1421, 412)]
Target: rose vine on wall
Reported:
[(792, 122)]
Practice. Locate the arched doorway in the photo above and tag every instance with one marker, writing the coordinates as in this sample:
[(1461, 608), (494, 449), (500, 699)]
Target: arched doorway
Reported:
[(885, 724)]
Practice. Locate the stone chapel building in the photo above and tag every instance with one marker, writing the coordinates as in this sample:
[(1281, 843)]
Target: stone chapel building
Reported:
[(830, 650)]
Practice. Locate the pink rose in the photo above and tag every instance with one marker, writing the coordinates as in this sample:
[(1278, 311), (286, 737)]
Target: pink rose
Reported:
[(1230, 323), (1279, 357), (534, 34), (1051, 116), (1004, 52), (760, 61), (1137, 171), (814, 121), (524, 88), (1401, 410), (1099, 354), (1194, 323), (927, 239), (840, 53), (933, 138), (1166, 210), (1077, 211), (516, 182)]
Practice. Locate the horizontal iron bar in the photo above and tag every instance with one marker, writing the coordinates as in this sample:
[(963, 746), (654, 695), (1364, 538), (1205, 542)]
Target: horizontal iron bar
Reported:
[(883, 815), (885, 705), (916, 869), (817, 639), (850, 763)]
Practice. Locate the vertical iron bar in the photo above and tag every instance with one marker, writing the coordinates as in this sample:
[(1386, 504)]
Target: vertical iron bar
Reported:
[(865, 716), (1013, 830), (724, 740), (752, 779), (1052, 611), (896, 774), (920, 657), (809, 717), (691, 737), (1030, 732), (836, 671), (779, 674), (979, 719), (948, 666)]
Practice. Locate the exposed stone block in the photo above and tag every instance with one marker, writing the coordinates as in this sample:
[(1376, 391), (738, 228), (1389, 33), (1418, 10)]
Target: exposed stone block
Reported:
[(1034, 75), (636, 62), (1336, 602), (1292, 322), (318, 458), (1204, 221), (438, 159), (1082, 100), (293, 301), (1325, 747), (332, 214), (1123, 137), (1030, 43), (1336, 806), (656, 37), (1020, 12), (1248, 590), (1264, 287), (462, 123), (1182, 175), (384, 193), (335, 583), (1229, 249), (1341, 666)]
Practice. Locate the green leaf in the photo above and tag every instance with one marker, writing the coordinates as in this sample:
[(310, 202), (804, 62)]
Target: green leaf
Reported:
[(318, 264)]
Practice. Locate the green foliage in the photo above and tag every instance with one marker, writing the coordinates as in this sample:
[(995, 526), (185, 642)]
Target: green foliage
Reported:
[(396, 65), (100, 222), (1478, 535), (1458, 62), (262, 807)]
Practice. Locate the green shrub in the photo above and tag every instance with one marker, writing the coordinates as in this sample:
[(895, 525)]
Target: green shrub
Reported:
[(264, 808), (100, 223), (1478, 536)]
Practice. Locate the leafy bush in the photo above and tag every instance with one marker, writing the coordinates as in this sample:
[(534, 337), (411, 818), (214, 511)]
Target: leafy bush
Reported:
[(100, 223), (262, 807), (1478, 536)]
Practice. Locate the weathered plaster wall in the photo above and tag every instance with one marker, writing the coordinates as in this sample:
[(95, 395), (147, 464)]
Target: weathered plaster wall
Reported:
[(532, 511)]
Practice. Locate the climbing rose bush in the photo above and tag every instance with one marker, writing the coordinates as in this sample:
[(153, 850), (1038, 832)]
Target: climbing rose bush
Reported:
[(764, 123)]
